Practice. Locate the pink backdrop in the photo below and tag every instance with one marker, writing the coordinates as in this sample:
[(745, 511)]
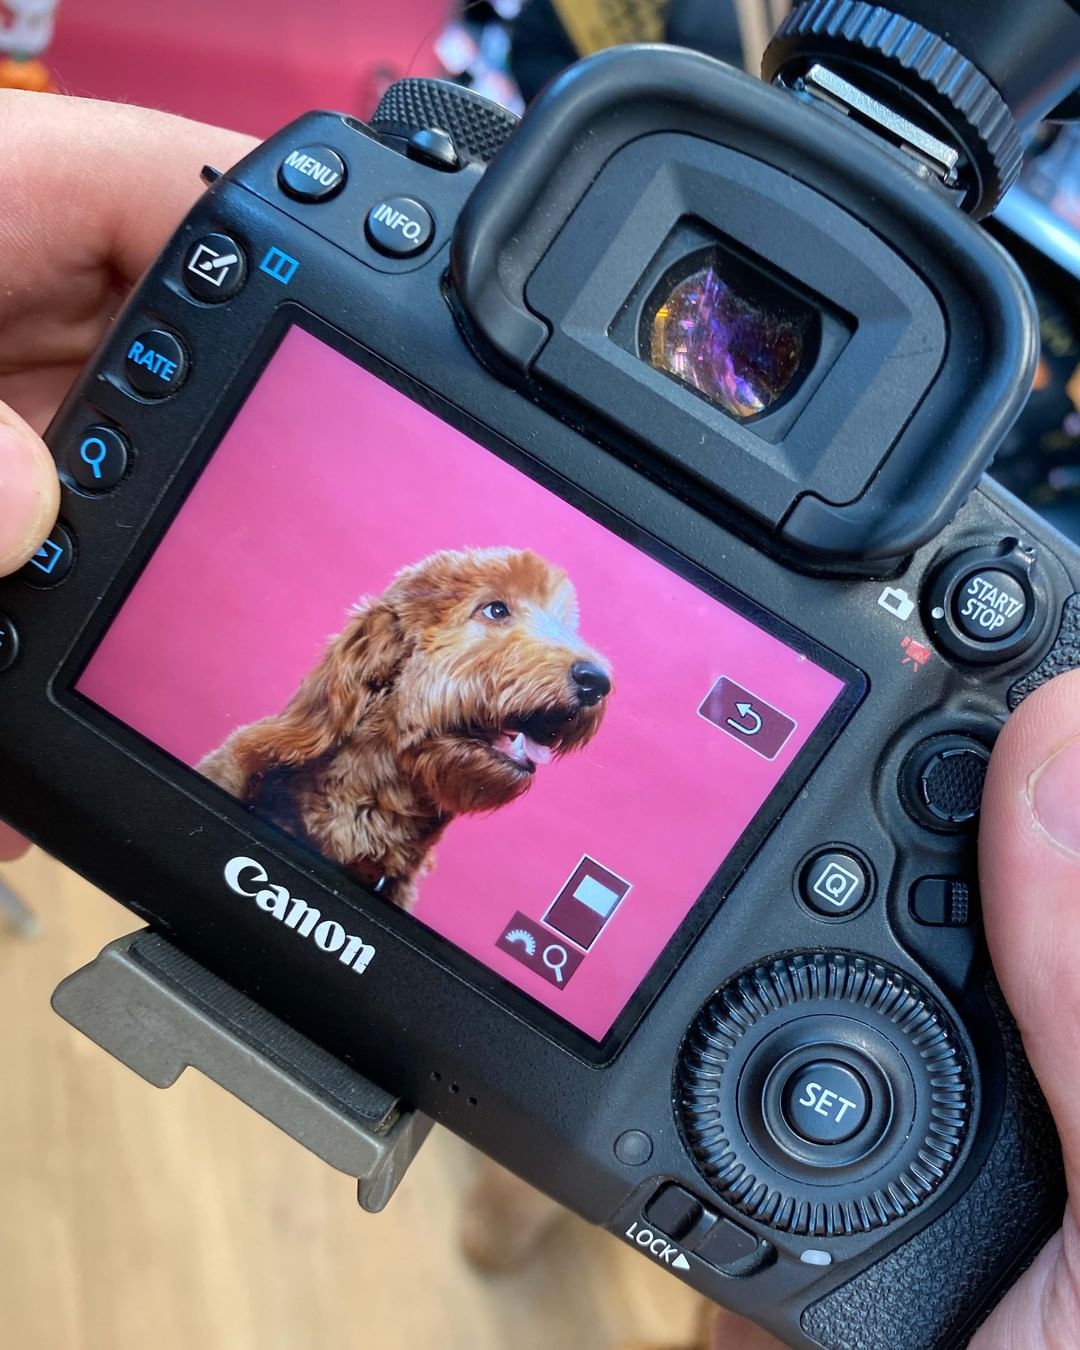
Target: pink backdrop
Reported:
[(326, 484)]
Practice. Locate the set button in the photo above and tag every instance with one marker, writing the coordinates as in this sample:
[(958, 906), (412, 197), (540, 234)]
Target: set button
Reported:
[(155, 363), (825, 1102)]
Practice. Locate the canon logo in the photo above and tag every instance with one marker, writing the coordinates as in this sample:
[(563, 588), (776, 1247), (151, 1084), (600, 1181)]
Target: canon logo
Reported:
[(247, 877)]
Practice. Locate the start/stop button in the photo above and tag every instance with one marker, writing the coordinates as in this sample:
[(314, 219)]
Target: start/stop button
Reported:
[(988, 604)]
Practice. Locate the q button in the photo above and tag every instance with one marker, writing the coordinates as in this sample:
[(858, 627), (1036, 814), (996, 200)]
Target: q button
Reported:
[(97, 459)]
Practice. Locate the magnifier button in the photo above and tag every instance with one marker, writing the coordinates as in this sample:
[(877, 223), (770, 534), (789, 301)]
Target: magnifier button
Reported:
[(97, 459)]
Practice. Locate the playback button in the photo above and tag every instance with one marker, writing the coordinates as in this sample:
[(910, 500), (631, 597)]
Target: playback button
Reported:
[(52, 562), (214, 268)]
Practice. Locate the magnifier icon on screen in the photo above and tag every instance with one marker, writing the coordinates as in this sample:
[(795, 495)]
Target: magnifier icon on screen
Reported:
[(93, 452), (555, 958)]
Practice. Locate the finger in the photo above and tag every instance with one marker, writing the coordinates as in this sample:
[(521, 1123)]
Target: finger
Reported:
[(1029, 863), (90, 189), (730, 1332), (29, 491), (12, 845)]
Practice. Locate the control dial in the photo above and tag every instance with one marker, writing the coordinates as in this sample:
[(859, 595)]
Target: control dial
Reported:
[(442, 124), (823, 1094)]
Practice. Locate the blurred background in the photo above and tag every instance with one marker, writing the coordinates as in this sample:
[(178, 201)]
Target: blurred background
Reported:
[(182, 1219)]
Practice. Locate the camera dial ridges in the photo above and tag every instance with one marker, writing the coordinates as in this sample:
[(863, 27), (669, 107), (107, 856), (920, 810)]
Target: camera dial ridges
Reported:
[(823, 1094), (917, 74), (466, 126)]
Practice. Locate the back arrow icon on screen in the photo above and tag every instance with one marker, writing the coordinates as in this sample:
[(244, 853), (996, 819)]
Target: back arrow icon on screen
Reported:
[(747, 713)]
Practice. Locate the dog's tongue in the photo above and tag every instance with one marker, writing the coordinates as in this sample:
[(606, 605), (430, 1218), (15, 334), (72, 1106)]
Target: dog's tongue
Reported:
[(523, 748)]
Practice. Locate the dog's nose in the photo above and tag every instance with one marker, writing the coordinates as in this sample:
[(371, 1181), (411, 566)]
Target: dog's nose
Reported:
[(592, 682)]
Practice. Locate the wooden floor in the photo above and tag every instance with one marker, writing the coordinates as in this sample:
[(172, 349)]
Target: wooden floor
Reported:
[(136, 1219)]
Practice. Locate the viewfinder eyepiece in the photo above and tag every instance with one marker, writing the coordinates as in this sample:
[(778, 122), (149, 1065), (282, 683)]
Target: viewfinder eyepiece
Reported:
[(728, 332)]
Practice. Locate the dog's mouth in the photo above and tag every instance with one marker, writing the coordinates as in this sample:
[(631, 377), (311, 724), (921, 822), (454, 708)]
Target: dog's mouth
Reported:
[(529, 741)]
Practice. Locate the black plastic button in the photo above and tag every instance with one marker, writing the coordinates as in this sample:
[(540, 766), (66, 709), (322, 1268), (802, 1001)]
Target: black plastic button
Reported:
[(312, 173), (943, 902), (9, 643), (97, 459), (214, 268), (434, 147), (726, 1244), (399, 227), (674, 1212), (633, 1148), (52, 562), (834, 883), (155, 363), (989, 605), (943, 780), (825, 1102)]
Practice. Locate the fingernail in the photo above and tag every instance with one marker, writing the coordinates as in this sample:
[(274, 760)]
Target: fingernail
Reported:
[(27, 497), (1053, 793)]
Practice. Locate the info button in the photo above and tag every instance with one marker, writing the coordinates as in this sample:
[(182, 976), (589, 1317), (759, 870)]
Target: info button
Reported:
[(399, 227), (746, 718)]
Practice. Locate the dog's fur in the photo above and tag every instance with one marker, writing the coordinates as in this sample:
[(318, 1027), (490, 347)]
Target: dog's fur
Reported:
[(431, 703)]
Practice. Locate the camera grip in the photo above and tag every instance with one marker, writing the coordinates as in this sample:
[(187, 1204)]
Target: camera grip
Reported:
[(932, 1292), (1063, 655)]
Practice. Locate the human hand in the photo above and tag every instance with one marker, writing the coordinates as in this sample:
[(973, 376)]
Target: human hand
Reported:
[(91, 192), (1029, 865)]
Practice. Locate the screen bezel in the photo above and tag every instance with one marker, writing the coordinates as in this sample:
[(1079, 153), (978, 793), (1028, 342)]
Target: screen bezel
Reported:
[(250, 827)]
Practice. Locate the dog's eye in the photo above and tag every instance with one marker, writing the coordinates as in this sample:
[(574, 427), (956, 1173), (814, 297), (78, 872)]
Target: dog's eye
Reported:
[(497, 610)]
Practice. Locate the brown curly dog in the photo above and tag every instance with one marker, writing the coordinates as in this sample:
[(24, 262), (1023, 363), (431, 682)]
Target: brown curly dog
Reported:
[(440, 697)]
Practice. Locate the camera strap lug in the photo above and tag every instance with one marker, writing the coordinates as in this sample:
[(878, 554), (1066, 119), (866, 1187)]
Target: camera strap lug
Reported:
[(158, 1011)]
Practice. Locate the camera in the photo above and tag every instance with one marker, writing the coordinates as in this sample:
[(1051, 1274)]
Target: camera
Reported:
[(529, 617)]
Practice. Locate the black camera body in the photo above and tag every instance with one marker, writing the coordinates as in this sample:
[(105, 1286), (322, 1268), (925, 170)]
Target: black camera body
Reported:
[(794, 1082)]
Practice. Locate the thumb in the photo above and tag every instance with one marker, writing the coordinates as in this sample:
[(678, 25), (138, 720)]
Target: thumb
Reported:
[(1029, 864), (29, 491)]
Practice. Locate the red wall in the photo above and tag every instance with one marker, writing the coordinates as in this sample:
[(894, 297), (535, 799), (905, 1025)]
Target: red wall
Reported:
[(247, 64)]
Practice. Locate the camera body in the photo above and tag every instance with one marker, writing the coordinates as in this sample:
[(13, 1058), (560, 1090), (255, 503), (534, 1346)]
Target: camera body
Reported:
[(715, 979)]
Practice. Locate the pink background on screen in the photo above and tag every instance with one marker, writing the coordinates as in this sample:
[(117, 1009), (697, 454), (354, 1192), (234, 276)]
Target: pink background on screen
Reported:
[(326, 484)]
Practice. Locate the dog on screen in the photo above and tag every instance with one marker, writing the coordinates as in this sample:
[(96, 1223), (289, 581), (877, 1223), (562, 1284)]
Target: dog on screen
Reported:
[(440, 697)]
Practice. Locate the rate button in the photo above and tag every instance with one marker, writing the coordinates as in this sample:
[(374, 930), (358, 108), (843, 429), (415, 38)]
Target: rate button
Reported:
[(155, 363)]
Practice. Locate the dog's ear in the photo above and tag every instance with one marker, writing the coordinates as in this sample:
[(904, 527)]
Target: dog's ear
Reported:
[(356, 668)]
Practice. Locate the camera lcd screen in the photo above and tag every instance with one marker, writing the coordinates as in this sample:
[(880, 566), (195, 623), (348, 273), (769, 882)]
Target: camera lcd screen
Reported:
[(489, 709)]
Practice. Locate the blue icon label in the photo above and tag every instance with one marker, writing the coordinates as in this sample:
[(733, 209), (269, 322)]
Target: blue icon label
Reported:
[(47, 556), (157, 364), (281, 266), (93, 452)]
